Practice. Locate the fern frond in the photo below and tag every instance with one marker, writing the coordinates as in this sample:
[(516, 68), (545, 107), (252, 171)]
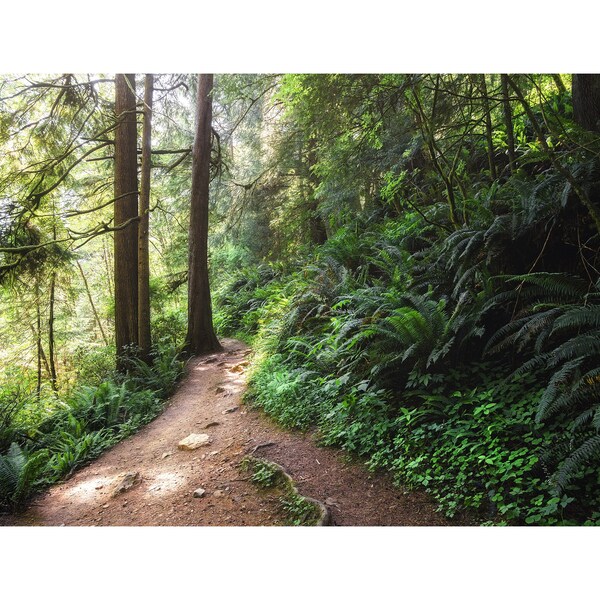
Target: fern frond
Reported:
[(558, 381), (586, 453)]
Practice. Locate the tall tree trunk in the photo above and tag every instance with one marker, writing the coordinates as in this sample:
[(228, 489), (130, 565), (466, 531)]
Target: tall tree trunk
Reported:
[(90, 298), (51, 353), (41, 353), (40, 350), (126, 212), (488, 128), (200, 336), (107, 263), (586, 101), (144, 335), (318, 233), (508, 123)]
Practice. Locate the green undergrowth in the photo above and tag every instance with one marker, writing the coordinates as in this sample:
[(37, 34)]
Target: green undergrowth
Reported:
[(419, 357), (474, 448), (45, 439)]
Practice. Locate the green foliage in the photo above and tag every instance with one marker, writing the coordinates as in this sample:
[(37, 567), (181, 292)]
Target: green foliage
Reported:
[(69, 450), (93, 418), (298, 510), (93, 366), (19, 474), (395, 374), (565, 336), (161, 375), (264, 473), (460, 217), (479, 449)]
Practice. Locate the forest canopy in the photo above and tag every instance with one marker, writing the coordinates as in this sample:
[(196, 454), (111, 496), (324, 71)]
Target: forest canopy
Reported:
[(412, 257)]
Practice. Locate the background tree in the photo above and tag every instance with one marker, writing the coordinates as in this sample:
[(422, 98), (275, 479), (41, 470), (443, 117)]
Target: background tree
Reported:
[(586, 101), (144, 336)]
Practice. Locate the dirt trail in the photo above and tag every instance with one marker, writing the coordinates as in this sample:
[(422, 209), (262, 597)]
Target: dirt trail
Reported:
[(209, 401)]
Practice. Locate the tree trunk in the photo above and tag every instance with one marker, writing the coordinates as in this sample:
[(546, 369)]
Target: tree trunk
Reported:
[(488, 129), (107, 263), (508, 123), (200, 336), (126, 212), (51, 353), (559, 83), (318, 233), (144, 335), (586, 101), (41, 354), (40, 350), (90, 298)]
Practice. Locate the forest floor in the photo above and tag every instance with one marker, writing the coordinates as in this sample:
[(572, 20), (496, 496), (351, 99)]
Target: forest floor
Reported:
[(208, 401)]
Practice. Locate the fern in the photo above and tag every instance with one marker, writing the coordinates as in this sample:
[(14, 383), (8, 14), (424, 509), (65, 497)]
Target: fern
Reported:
[(585, 454), (561, 325), (19, 473)]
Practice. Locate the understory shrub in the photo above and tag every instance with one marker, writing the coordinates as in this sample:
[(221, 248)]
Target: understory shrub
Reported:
[(89, 420), (423, 380)]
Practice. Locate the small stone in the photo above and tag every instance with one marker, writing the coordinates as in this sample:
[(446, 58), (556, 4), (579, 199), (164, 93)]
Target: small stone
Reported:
[(219, 390), (166, 454), (199, 493), (126, 482), (229, 410), (99, 487), (218, 493), (213, 453), (212, 424), (105, 505), (193, 441)]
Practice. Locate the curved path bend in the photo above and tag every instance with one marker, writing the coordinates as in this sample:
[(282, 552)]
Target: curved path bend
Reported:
[(208, 401)]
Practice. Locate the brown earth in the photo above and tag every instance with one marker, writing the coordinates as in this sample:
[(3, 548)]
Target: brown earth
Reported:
[(209, 401)]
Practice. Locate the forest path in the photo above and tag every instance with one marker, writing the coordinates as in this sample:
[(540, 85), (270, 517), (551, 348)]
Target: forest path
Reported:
[(209, 401)]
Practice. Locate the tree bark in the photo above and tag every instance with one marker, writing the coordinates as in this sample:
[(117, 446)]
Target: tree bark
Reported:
[(126, 208), (200, 336), (40, 350), (586, 101), (144, 334), (51, 352), (508, 123)]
